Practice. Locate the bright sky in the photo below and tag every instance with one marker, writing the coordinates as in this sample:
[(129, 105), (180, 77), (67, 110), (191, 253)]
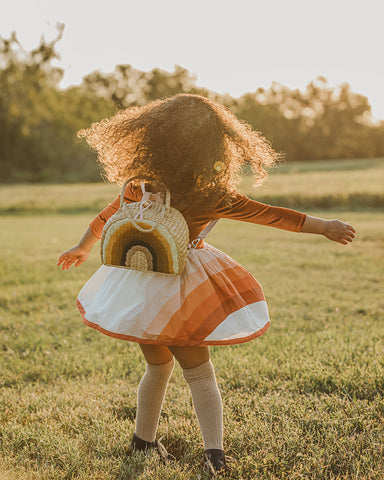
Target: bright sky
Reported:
[(232, 46)]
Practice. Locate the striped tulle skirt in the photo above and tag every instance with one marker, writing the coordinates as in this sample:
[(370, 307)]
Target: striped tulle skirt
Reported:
[(215, 301)]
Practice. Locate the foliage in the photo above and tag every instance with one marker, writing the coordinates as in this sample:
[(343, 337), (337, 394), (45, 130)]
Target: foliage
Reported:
[(126, 86), (39, 120), (319, 123)]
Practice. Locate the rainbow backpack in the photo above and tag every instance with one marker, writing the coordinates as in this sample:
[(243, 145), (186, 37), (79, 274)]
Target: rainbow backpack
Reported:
[(147, 236)]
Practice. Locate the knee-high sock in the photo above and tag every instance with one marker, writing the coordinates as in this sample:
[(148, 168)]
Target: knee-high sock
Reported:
[(207, 403), (150, 395)]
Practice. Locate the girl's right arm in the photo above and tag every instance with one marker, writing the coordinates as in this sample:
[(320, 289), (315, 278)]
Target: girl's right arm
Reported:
[(80, 252)]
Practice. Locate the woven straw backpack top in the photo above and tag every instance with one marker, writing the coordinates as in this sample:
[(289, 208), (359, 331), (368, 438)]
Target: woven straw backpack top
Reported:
[(147, 235)]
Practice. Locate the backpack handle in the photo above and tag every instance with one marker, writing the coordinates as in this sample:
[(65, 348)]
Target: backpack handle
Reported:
[(140, 177), (167, 201)]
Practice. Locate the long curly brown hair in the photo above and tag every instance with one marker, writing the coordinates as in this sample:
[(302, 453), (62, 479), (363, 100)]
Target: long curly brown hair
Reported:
[(192, 144)]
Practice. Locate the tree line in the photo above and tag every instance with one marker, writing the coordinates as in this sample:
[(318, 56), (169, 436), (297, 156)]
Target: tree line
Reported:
[(39, 120)]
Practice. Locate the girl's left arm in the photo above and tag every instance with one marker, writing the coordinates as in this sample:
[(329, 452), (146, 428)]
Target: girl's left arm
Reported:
[(247, 210), (335, 230), (79, 253)]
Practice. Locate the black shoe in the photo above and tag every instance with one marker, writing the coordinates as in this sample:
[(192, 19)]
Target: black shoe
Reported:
[(140, 445), (215, 462)]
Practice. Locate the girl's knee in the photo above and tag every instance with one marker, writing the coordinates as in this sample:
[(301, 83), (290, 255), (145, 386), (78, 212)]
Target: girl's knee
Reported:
[(190, 357), (156, 354)]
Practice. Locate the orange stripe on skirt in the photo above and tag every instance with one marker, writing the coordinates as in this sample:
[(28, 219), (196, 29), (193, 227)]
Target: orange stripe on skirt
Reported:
[(221, 293), (173, 304)]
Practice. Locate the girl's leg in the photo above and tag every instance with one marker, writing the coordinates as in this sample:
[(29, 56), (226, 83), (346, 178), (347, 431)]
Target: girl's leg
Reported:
[(200, 375), (151, 391), (156, 354), (190, 357)]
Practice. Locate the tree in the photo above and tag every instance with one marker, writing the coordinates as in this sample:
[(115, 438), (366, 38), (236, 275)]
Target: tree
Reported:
[(321, 122), (38, 120), (126, 86)]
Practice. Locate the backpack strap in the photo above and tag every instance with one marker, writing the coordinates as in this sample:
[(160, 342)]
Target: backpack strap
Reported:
[(203, 234), (146, 195), (157, 197)]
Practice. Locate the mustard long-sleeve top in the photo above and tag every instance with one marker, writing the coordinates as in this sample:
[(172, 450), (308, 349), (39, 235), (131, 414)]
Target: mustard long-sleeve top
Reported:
[(241, 208)]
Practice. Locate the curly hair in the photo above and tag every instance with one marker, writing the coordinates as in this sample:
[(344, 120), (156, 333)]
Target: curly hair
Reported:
[(192, 144)]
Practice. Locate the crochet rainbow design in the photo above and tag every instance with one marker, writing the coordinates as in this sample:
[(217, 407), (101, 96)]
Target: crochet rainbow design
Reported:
[(154, 238)]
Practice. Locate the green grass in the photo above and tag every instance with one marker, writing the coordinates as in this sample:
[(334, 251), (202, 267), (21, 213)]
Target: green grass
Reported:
[(342, 184), (306, 400)]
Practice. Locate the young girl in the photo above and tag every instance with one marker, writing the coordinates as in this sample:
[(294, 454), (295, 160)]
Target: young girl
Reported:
[(197, 149)]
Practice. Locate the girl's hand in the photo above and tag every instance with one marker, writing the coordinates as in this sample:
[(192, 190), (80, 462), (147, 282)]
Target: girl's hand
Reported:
[(78, 255), (338, 231), (75, 255)]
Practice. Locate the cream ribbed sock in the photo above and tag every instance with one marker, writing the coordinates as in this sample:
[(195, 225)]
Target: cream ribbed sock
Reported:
[(150, 395), (207, 403)]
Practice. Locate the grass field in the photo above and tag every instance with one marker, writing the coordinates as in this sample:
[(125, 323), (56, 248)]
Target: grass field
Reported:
[(305, 401), (342, 184)]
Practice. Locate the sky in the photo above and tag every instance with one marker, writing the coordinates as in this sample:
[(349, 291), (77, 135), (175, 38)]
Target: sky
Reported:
[(230, 46)]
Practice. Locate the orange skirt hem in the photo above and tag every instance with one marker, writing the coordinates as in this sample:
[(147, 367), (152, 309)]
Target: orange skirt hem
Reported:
[(148, 341)]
